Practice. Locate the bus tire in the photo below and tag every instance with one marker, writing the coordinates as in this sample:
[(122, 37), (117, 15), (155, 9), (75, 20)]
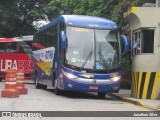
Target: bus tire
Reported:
[(44, 86), (37, 85), (0, 79), (101, 94), (57, 91)]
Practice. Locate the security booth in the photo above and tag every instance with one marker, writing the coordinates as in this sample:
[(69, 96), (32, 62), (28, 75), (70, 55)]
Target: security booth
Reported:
[(145, 48)]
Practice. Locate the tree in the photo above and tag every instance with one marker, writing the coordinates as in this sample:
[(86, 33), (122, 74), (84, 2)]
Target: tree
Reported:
[(7, 17), (111, 9), (17, 16)]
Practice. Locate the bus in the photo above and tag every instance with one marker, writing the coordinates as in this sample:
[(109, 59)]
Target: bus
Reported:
[(15, 54), (27, 39), (78, 53)]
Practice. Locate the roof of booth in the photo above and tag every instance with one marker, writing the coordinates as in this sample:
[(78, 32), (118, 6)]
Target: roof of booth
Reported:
[(143, 17)]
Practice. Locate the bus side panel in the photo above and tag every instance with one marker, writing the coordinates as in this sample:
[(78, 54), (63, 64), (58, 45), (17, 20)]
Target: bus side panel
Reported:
[(42, 64), (15, 61)]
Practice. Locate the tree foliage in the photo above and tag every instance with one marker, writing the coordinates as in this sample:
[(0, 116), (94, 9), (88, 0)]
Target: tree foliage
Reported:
[(111, 9), (17, 16)]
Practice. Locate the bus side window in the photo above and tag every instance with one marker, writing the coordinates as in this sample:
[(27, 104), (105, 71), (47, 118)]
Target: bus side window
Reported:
[(17, 48), (2, 47), (11, 47), (21, 49)]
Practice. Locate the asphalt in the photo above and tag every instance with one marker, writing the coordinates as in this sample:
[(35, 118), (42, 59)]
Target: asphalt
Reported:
[(125, 96)]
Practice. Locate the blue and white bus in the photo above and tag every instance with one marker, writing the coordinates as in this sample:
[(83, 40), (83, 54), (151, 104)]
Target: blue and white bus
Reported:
[(78, 53)]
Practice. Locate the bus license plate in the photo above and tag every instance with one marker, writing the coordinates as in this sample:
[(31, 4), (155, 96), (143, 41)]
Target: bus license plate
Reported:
[(93, 87)]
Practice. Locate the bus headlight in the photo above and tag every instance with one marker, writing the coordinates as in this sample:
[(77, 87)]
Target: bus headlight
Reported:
[(115, 79), (69, 75)]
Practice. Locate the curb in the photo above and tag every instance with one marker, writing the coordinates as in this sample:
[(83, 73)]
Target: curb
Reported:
[(133, 102), (25, 81), (28, 82)]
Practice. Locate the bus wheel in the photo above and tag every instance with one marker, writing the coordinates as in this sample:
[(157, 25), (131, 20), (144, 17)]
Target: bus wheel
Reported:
[(101, 94), (0, 79), (44, 86), (37, 85), (57, 90)]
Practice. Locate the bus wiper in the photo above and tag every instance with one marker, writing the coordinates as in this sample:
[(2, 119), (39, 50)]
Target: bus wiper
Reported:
[(86, 60), (102, 58)]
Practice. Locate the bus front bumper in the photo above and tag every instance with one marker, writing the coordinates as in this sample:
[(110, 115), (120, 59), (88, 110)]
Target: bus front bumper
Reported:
[(91, 85)]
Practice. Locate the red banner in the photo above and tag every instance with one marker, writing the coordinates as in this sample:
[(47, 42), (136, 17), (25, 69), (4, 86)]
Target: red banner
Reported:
[(15, 61)]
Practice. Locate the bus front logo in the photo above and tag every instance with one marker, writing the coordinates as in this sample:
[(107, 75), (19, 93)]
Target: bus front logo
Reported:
[(94, 81)]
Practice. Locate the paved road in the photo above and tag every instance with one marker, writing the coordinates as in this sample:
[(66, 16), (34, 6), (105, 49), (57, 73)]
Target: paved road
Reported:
[(46, 100)]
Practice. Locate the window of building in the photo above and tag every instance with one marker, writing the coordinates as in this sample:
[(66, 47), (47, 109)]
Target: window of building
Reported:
[(143, 41), (148, 41)]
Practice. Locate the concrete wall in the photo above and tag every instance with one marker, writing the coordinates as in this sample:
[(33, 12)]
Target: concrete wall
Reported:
[(145, 63), (143, 17)]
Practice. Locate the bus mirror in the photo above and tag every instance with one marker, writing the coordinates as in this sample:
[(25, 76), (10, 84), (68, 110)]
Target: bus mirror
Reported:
[(126, 43), (63, 40)]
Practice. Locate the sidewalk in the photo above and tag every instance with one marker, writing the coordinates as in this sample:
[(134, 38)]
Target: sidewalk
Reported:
[(28, 81), (125, 95), (25, 81)]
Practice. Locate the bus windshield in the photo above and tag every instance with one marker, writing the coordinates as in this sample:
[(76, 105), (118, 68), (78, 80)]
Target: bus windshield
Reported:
[(93, 49)]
